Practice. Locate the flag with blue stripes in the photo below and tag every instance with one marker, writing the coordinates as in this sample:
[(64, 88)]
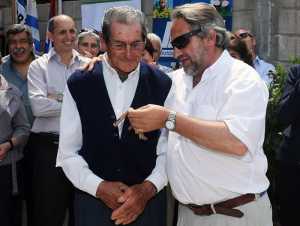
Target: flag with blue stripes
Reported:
[(21, 11), (32, 22), (27, 14)]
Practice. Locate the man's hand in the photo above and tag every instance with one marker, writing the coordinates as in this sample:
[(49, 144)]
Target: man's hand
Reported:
[(90, 65), (134, 201), (4, 148), (148, 118), (109, 192)]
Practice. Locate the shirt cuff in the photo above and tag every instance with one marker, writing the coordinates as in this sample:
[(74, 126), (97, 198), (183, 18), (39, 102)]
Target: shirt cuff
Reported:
[(159, 181), (91, 184)]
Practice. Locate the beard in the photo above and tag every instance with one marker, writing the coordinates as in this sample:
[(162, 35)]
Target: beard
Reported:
[(197, 65)]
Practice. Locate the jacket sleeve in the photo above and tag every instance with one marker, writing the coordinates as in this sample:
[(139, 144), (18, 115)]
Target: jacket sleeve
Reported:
[(289, 105)]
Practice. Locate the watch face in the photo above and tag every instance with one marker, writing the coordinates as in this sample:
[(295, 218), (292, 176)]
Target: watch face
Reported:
[(170, 125)]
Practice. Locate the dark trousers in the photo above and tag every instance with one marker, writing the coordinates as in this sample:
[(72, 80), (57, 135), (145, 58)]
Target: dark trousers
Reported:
[(52, 193), (289, 194), (90, 211), (10, 205)]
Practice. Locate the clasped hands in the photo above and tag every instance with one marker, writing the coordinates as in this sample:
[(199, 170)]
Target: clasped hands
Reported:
[(127, 202)]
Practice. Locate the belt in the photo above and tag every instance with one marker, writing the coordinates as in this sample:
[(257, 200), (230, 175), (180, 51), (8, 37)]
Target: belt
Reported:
[(225, 207), (50, 137)]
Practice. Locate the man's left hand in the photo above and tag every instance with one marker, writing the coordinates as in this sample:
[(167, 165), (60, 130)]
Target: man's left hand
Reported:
[(134, 201), (148, 118)]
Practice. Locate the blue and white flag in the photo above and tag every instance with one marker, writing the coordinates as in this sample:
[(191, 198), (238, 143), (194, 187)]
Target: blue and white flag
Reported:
[(21, 11), (32, 22), (27, 14)]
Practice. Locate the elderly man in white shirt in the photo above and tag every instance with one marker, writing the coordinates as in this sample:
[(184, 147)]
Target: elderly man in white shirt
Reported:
[(47, 77), (214, 119)]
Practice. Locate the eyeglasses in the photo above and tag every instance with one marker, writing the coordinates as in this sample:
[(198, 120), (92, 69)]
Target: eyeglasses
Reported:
[(183, 40), (244, 35), (122, 46)]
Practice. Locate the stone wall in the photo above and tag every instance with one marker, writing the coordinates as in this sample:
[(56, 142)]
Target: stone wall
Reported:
[(275, 23)]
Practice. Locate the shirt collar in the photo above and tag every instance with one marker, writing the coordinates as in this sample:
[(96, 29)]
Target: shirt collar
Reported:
[(54, 55), (257, 60), (217, 68), (114, 72)]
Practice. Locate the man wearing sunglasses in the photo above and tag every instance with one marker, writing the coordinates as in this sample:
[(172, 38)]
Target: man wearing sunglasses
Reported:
[(212, 127), (116, 171), (263, 68)]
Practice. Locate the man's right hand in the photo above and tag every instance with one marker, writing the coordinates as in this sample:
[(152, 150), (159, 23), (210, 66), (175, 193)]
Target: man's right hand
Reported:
[(90, 65), (109, 192)]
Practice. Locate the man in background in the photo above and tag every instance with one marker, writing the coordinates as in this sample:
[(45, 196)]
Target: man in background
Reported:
[(47, 76), (156, 43), (88, 43), (263, 68)]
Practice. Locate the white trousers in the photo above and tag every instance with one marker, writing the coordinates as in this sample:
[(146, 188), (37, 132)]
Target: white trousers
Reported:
[(256, 213)]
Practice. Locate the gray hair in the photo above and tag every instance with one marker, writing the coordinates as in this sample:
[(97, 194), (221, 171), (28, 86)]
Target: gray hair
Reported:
[(204, 16), (124, 15), (19, 28), (84, 34), (154, 38)]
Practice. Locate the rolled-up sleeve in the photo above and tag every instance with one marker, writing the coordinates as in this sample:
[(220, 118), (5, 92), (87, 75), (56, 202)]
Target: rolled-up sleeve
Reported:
[(70, 142), (244, 112)]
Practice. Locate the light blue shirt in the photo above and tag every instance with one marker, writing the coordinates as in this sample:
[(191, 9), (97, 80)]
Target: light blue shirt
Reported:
[(14, 77), (263, 68)]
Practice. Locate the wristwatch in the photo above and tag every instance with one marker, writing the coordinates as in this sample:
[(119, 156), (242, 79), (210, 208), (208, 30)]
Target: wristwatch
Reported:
[(171, 121), (59, 97)]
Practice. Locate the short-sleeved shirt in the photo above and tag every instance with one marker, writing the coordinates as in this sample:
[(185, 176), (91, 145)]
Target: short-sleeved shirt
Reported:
[(232, 92)]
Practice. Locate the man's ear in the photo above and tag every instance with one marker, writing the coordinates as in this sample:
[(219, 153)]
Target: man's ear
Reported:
[(103, 45), (254, 42), (211, 37), (49, 35)]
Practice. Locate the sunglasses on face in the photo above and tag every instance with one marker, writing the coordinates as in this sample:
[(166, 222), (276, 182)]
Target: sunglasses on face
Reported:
[(245, 35), (183, 40)]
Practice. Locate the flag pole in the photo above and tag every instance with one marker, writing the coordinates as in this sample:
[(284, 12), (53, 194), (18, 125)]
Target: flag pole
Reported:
[(59, 7), (13, 11)]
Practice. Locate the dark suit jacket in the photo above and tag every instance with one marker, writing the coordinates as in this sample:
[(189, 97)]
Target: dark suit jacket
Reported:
[(289, 117)]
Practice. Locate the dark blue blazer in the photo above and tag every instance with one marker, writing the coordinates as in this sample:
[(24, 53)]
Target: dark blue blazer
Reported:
[(127, 159), (289, 117)]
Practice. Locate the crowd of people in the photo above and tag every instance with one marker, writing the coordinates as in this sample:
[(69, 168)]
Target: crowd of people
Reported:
[(96, 129)]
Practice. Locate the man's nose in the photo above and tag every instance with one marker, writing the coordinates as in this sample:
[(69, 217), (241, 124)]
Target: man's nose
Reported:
[(176, 52), (128, 51)]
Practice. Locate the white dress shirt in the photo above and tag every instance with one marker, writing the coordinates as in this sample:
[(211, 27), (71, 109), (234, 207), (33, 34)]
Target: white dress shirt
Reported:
[(232, 92), (121, 95), (48, 75)]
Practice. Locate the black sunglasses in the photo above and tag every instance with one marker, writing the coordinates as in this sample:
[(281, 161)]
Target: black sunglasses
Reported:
[(183, 40), (245, 35)]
